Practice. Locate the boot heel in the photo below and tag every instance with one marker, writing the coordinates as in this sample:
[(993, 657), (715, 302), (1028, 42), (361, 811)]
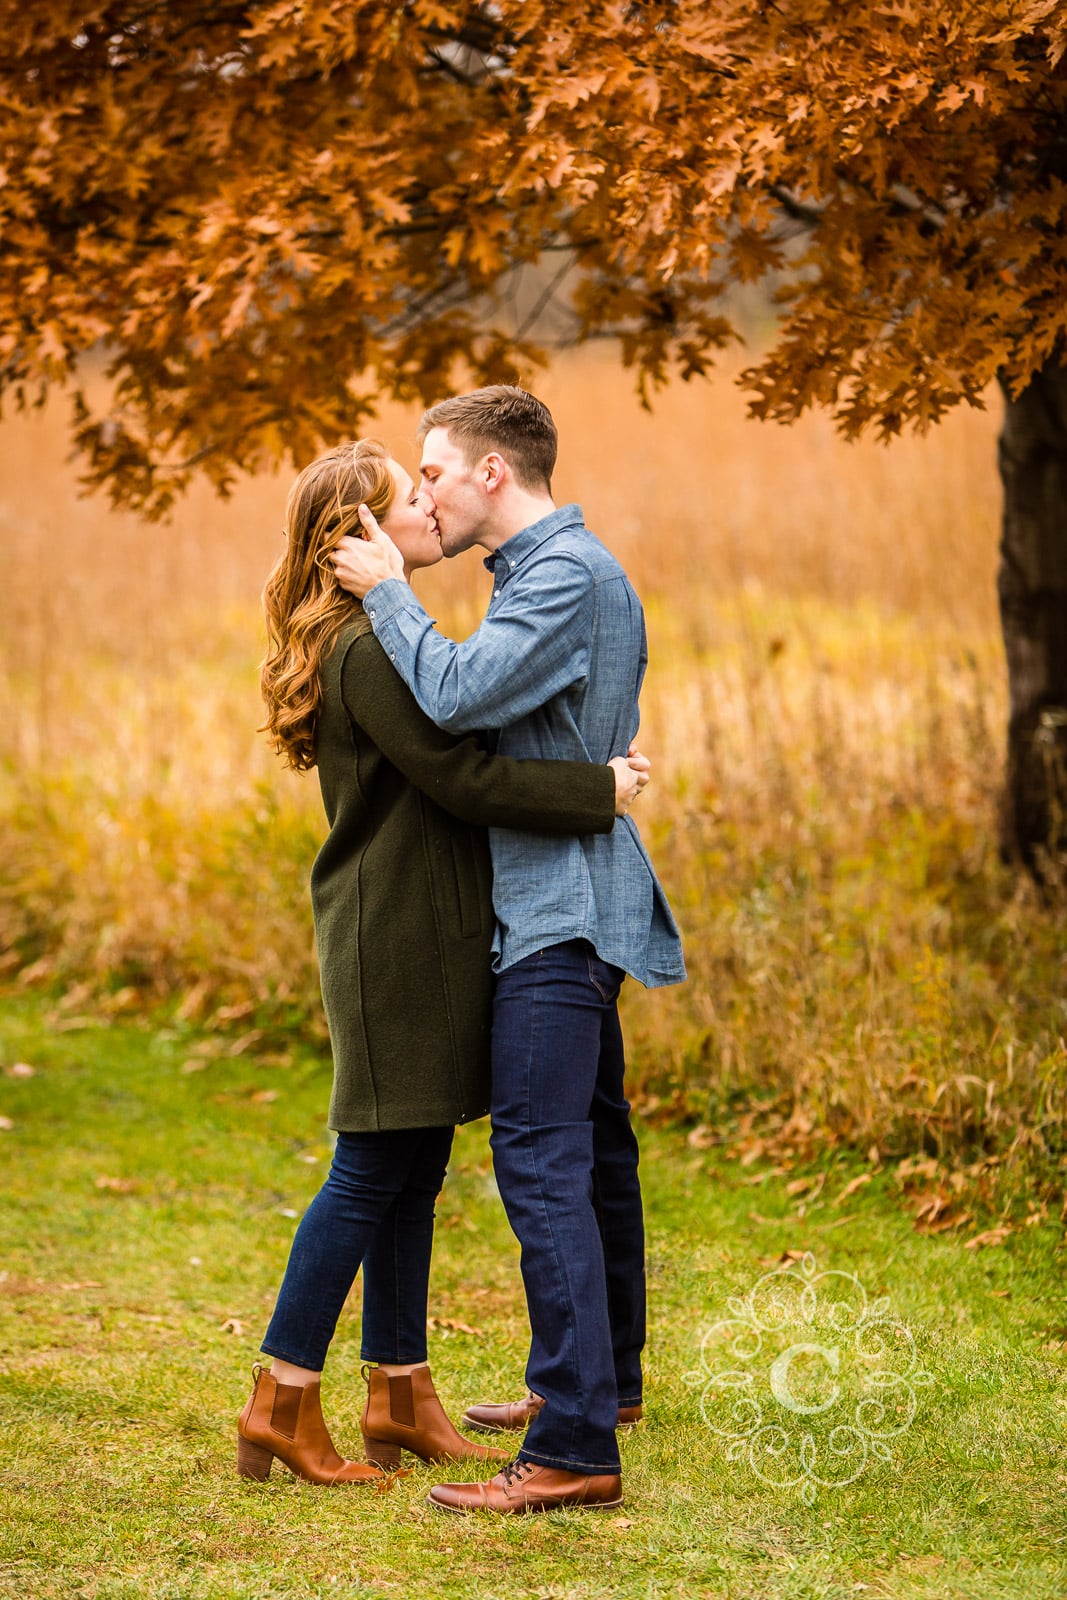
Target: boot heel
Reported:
[(380, 1453), (253, 1460)]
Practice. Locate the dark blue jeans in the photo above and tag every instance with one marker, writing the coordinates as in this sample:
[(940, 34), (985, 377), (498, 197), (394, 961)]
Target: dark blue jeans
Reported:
[(375, 1209), (565, 1158)]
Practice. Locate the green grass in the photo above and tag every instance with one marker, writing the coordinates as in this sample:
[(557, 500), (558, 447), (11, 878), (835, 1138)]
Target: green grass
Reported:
[(145, 1218)]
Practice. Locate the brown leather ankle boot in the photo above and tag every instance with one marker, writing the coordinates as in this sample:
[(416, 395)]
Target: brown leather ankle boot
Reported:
[(405, 1413), (285, 1420)]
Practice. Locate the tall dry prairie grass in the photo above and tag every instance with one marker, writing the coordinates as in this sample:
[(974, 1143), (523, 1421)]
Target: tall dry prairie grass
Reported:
[(824, 708)]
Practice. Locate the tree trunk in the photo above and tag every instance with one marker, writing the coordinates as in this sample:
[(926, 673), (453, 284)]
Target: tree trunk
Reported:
[(1032, 585)]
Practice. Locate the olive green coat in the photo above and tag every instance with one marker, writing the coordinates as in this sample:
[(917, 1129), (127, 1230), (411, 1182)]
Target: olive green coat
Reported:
[(401, 890)]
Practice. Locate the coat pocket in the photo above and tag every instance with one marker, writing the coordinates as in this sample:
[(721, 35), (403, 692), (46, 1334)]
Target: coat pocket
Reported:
[(468, 892)]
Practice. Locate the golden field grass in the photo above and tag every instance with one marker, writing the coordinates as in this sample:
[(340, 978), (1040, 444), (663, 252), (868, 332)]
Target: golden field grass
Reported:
[(824, 709)]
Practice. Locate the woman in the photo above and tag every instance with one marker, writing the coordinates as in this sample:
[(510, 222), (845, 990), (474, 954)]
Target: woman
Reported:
[(403, 919)]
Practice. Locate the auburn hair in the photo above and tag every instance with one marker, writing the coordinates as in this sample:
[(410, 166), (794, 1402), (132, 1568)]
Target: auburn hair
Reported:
[(304, 604)]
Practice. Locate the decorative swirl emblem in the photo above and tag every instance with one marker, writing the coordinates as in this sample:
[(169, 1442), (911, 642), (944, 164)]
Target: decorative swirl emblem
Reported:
[(807, 1380)]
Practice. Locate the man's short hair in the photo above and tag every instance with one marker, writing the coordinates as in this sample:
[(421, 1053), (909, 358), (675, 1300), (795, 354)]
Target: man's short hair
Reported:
[(515, 424)]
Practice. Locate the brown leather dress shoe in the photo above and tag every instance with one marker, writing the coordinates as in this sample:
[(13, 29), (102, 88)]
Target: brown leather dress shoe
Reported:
[(522, 1487), (516, 1415)]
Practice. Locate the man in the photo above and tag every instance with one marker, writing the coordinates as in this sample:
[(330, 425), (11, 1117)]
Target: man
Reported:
[(554, 670)]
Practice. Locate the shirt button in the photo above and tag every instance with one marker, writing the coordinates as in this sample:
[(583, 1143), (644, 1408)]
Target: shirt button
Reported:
[(496, 594), (392, 657), (372, 612), (513, 563)]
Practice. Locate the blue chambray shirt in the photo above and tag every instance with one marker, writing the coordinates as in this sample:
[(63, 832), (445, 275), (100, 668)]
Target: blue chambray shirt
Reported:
[(555, 670)]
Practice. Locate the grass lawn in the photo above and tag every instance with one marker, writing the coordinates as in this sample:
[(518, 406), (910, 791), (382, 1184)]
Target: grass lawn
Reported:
[(149, 1190)]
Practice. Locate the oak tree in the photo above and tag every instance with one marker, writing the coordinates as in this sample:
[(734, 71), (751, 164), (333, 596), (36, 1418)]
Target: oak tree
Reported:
[(267, 215)]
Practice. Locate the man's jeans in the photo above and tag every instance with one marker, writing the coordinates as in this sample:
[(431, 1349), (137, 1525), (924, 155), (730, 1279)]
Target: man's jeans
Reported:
[(565, 1158), (376, 1209)]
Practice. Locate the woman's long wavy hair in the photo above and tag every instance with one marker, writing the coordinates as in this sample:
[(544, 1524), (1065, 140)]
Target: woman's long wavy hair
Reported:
[(304, 604)]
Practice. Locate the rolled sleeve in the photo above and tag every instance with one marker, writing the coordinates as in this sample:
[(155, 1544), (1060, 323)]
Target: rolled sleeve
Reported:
[(387, 599)]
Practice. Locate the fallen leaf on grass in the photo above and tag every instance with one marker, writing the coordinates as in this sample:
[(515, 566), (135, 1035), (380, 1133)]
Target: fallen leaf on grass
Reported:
[(935, 1214), (232, 1325), (991, 1236), (6, 1124), (701, 1138), (383, 1485), (850, 1188), (237, 1013), (916, 1167), (263, 1097), (448, 1325), (786, 1258), (126, 999), (245, 1042), (20, 1069), (804, 1185), (117, 1185), (75, 996), (1002, 1294), (193, 1004), (210, 1049), (34, 972), (944, 1224), (622, 1522)]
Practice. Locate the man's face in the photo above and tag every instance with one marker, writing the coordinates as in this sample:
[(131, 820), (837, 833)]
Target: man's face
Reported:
[(460, 502)]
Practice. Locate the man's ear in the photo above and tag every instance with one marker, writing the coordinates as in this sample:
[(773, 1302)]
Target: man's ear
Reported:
[(495, 470)]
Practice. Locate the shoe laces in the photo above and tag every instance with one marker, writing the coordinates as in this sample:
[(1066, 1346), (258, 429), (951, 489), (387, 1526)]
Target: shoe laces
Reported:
[(514, 1472)]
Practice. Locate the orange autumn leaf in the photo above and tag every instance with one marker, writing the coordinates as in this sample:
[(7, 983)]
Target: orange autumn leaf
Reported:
[(223, 205)]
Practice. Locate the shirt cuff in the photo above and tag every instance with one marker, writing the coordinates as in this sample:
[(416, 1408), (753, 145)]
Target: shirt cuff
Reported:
[(387, 599)]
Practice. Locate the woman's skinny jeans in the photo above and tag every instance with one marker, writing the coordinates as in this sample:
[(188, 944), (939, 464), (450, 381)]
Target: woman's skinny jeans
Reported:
[(375, 1210)]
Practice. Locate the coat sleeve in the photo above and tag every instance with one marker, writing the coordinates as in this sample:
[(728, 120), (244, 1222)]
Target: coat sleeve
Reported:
[(570, 797)]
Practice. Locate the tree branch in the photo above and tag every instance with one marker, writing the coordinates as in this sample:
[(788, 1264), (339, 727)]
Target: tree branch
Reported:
[(800, 210)]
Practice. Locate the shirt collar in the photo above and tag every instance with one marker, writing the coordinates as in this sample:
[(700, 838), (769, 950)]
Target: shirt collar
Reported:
[(526, 541)]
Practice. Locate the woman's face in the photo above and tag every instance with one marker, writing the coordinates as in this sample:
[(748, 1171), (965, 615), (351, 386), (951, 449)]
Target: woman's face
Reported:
[(410, 525)]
